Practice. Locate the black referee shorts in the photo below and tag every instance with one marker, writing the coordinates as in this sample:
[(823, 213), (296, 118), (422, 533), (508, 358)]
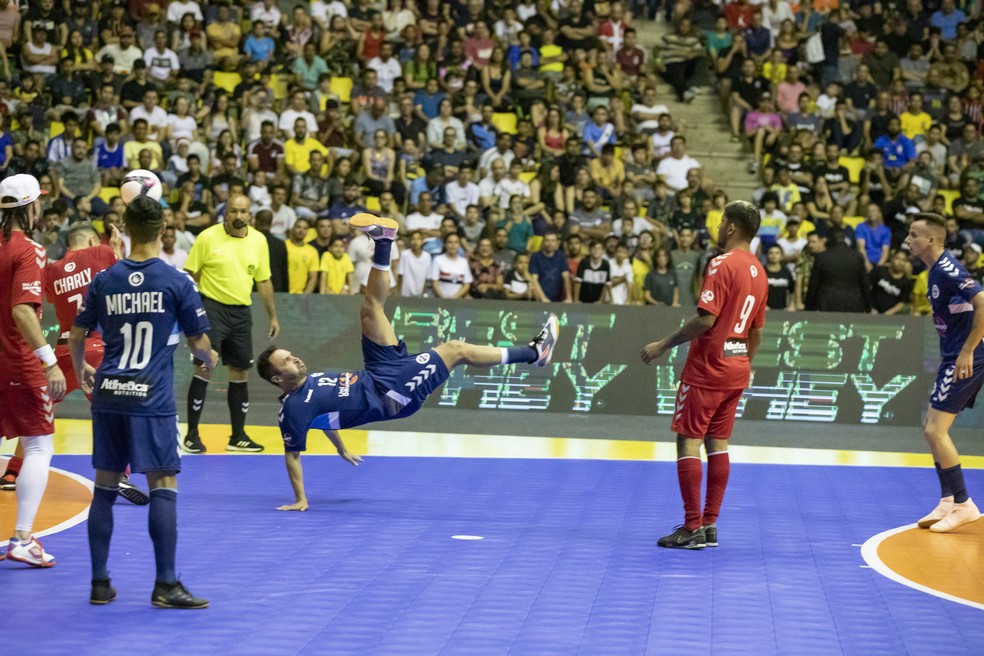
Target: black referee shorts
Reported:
[(232, 332)]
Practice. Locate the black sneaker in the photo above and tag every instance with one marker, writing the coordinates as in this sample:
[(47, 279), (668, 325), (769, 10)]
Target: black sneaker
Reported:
[(133, 494), (711, 535), (102, 592), (244, 444), (175, 595), (192, 443), (681, 538), (8, 482)]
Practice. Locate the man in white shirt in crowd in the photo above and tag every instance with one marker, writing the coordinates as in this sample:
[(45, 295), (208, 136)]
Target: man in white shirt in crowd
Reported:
[(415, 266), (674, 168), (170, 253), (501, 150), (176, 9), (298, 109), (462, 192), (621, 274), (284, 216), (154, 114), (491, 190), (426, 221), (387, 67), (124, 54), (451, 274), (646, 112), (162, 61)]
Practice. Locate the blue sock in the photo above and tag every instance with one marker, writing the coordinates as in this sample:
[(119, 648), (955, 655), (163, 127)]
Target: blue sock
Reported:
[(381, 256), (163, 523), (955, 480), (945, 490), (524, 353), (101, 528)]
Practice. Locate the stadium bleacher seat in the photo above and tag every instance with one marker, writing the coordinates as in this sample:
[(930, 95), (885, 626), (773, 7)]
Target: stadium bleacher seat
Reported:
[(505, 122), (854, 165), (950, 195), (343, 87)]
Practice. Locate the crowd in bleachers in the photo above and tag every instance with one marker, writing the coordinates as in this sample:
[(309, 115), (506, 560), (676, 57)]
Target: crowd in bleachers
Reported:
[(525, 147)]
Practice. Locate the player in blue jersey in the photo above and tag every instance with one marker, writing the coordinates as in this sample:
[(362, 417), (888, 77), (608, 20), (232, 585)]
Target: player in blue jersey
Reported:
[(394, 384), (141, 305), (958, 313)]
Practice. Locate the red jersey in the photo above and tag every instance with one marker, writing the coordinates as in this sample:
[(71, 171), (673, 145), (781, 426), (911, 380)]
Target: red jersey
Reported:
[(22, 263), (735, 291), (66, 281)]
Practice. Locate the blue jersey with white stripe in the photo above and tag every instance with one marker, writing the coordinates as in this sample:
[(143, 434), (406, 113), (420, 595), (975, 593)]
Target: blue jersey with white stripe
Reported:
[(950, 291), (329, 401), (141, 309)]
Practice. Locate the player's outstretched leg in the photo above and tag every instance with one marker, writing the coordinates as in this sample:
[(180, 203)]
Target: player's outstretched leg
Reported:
[(956, 508), (538, 352), (375, 325)]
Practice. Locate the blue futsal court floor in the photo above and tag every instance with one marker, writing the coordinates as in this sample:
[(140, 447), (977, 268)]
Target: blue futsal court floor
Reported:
[(567, 564)]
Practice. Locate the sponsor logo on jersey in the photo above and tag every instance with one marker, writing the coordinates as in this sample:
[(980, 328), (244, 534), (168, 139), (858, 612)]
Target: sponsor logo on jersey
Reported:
[(136, 279), (32, 287), (423, 358), (735, 347), (124, 387), (345, 381), (707, 296), (70, 267), (754, 271), (936, 291)]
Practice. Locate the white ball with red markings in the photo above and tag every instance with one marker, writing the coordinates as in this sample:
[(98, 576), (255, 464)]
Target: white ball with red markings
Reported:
[(140, 182)]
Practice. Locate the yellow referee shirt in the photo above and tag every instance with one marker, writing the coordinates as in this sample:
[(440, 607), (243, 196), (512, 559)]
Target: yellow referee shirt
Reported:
[(301, 261), (336, 270), (229, 265)]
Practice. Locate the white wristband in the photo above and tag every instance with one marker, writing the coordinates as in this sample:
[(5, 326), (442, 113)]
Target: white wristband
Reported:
[(46, 355)]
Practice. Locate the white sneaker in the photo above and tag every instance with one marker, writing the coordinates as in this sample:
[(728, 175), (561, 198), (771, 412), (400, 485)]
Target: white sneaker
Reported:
[(939, 512), (546, 341), (30, 553), (960, 514), (375, 227)]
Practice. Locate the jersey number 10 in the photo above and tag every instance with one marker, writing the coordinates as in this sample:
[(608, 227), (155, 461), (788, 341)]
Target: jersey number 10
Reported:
[(137, 345)]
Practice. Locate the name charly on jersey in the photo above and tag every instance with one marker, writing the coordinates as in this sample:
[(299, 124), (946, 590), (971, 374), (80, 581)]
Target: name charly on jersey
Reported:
[(141, 309), (950, 289)]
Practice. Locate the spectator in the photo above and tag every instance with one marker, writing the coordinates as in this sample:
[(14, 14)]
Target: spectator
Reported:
[(450, 275), (302, 260), (622, 279), (681, 52), (462, 193), (660, 287), (839, 279), (78, 178), (415, 267), (891, 285), (897, 149), (763, 127), (549, 269), (322, 236), (685, 259), (487, 278), (592, 284), (518, 284), (673, 169), (337, 270), (969, 210), (781, 283)]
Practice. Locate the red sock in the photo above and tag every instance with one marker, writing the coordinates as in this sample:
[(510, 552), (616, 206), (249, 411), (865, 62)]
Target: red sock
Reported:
[(14, 465), (689, 471), (718, 469), (127, 474)]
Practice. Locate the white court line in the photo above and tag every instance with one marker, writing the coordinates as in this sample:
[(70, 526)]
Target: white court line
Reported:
[(869, 551), (71, 521)]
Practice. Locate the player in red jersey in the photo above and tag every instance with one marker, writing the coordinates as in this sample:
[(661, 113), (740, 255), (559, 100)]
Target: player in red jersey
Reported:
[(30, 380), (725, 334)]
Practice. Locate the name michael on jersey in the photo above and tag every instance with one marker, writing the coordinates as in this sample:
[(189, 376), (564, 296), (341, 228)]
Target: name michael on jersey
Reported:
[(135, 303)]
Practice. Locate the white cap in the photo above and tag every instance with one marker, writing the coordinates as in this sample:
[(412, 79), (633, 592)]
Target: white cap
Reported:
[(23, 187)]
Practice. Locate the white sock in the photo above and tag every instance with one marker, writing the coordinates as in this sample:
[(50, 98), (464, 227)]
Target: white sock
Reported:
[(33, 478), (503, 356)]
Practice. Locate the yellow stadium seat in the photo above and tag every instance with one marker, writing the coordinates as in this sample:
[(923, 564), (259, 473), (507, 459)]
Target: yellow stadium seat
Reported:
[(280, 85), (533, 246), (853, 166), (950, 195), (57, 127), (854, 221), (227, 80), (343, 87), (527, 176), (505, 122), (312, 233), (372, 203), (107, 193), (98, 226)]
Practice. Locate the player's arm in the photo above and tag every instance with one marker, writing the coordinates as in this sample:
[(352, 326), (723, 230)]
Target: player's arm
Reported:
[(292, 459), (265, 288), (965, 361), (696, 326), (26, 318), (200, 347), (84, 372), (754, 339), (336, 439)]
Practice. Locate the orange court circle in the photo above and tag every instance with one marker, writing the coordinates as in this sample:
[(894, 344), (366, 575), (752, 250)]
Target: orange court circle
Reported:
[(65, 504), (947, 565)]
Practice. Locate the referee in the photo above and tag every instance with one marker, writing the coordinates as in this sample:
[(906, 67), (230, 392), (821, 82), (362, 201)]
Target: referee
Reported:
[(225, 261)]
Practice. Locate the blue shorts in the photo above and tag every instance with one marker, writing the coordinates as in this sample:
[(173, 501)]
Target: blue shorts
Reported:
[(147, 444), (951, 395), (403, 381)]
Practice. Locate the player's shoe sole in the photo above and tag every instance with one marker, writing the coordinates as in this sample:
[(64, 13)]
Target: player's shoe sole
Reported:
[(546, 341), (133, 494), (175, 595), (939, 512), (8, 483), (959, 515), (375, 227), (681, 538), (102, 592), (30, 553)]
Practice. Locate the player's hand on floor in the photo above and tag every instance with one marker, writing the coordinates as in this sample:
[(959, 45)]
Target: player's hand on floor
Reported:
[(348, 457), (300, 506), (56, 383), (653, 351)]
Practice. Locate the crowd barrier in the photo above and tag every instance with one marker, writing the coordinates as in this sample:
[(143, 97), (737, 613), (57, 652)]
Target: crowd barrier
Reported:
[(826, 368)]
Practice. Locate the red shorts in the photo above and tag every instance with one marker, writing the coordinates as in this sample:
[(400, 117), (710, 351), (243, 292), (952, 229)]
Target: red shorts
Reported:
[(94, 350), (704, 412), (26, 411)]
